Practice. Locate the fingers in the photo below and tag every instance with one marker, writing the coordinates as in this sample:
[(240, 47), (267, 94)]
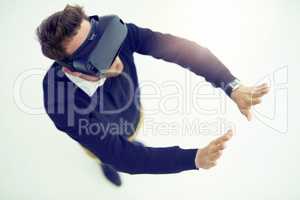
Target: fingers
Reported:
[(251, 102), (212, 164), (256, 93), (206, 157), (254, 99), (259, 92), (263, 85), (247, 113), (216, 148), (209, 165), (223, 138), (214, 153), (218, 145)]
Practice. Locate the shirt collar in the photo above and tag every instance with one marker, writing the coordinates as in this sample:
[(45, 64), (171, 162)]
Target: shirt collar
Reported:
[(89, 87)]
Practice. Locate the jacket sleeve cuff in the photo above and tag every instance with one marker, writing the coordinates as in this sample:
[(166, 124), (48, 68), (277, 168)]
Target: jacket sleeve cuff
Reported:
[(186, 159), (225, 79)]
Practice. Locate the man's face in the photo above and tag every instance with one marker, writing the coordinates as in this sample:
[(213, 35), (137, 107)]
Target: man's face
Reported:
[(74, 43)]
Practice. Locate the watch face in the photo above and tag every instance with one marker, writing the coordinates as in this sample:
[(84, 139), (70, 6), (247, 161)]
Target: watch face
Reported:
[(232, 86), (235, 84)]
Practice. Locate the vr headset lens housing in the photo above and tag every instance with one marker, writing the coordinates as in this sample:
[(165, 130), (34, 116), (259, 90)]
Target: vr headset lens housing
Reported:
[(100, 48)]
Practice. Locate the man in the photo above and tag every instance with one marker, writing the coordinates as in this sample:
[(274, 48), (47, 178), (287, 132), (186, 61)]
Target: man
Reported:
[(92, 109)]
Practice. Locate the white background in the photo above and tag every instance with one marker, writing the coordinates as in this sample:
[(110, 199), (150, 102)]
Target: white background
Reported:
[(255, 39)]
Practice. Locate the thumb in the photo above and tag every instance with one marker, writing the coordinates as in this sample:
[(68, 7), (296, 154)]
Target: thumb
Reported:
[(247, 113)]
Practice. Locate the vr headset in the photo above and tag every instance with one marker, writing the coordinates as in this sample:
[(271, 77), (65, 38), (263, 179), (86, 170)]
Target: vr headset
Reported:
[(100, 48)]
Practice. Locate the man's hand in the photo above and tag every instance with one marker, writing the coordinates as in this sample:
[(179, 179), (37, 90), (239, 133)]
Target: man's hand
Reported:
[(206, 157), (246, 97)]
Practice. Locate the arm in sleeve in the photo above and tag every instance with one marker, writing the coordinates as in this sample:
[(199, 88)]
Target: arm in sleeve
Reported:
[(183, 52), (122, 154)]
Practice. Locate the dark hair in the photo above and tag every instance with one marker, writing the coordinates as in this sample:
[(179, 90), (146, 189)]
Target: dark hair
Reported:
[(56, 29)]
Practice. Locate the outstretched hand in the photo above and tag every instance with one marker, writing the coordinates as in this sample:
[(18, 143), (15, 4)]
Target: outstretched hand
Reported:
[(206, 157), (246, 97)]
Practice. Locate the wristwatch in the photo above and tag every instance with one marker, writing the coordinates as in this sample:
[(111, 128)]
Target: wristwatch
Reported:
[(231, 86)]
